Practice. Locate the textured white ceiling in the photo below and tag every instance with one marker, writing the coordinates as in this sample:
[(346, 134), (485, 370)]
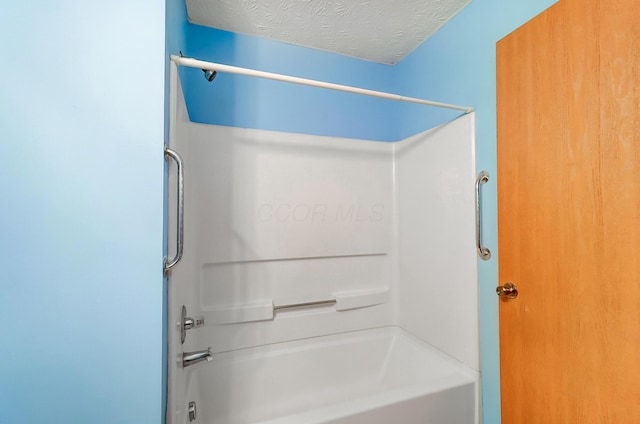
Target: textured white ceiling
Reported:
[(382, 31)]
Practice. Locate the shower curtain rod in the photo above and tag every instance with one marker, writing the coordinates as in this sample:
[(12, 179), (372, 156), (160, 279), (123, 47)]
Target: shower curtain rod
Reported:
[(218, 67)]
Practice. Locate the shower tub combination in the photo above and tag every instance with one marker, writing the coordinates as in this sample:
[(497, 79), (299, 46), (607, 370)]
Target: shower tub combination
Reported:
[(382, 375), (328, 280)]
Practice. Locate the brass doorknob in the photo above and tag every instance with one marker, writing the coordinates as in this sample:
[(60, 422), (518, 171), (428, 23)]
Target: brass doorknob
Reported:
[(509, 290)]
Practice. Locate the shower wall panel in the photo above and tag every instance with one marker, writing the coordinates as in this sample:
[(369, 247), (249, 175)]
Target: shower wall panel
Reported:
[(264, 195), (437, 276), (277, 219)]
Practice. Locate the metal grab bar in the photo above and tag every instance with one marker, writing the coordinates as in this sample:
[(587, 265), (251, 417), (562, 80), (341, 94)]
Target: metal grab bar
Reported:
[(317, 303), (170, 263), (483, 252)]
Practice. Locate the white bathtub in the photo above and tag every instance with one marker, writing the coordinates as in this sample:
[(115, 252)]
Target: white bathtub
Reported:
[(377, 376)]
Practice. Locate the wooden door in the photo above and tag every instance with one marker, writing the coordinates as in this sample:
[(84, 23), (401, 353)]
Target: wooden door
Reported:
[(569, 214)]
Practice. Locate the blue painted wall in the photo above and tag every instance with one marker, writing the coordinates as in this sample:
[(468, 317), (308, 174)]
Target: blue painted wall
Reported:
[(256, 103), (81, 167), (457, 65), (177, 28)]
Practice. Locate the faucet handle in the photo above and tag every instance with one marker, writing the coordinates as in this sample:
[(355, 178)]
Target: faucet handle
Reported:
[(190, 323), (187, 323)]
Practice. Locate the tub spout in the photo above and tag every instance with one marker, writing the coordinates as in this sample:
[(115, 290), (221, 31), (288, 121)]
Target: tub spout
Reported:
[(190, 358)]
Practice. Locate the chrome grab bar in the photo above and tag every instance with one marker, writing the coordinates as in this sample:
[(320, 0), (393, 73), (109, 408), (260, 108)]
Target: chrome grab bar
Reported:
[(483, 252), (170, 263), (192, 358), (328, 302)]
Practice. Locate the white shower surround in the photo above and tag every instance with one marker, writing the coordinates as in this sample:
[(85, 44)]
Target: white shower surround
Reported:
[(383, 31), (403, 256)]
